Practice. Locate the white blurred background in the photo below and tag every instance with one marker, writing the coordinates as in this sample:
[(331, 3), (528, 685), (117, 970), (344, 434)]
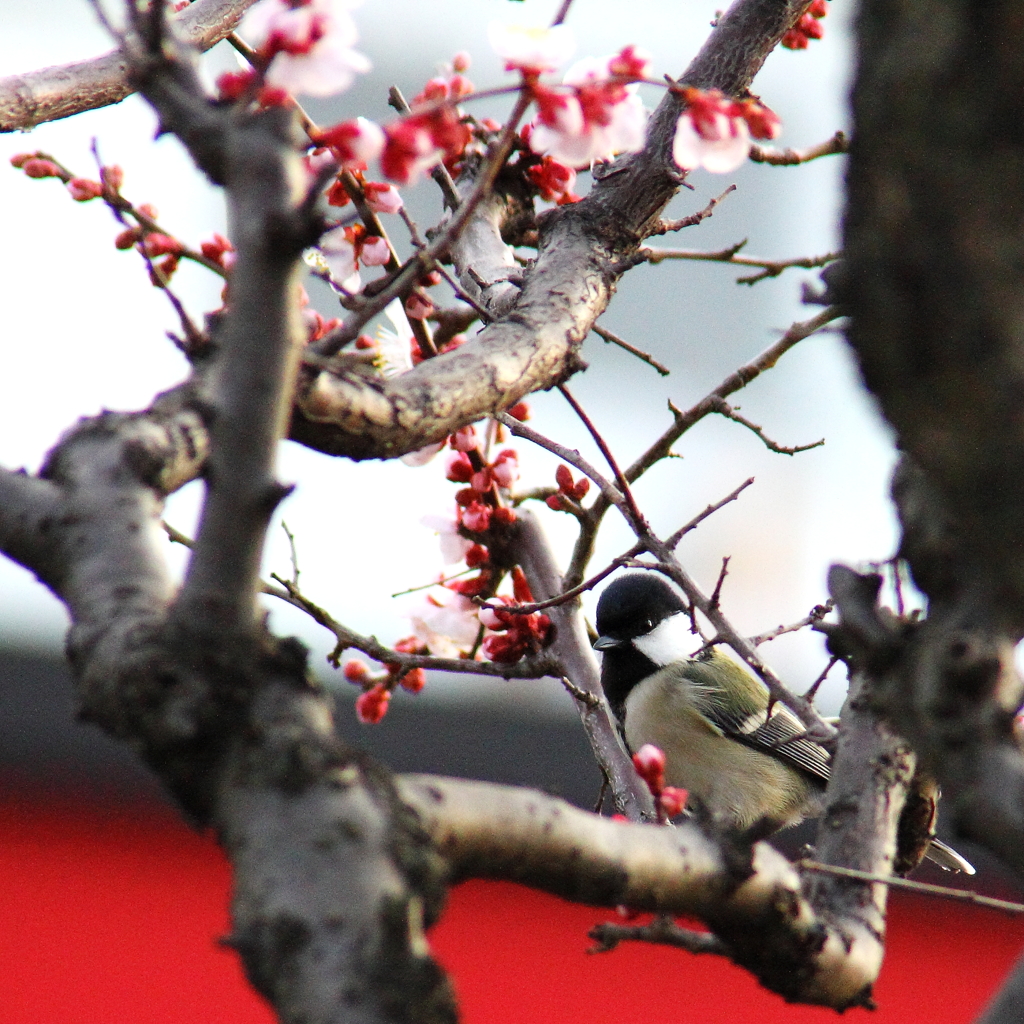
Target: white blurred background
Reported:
[(83, 331)]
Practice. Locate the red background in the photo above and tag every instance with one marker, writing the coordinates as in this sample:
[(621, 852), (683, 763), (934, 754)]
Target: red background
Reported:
[(112, 912)]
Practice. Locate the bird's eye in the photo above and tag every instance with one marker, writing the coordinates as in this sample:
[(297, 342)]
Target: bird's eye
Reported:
[(648, 625)]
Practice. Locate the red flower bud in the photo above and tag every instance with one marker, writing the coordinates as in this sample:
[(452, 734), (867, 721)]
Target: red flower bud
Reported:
[(673, 801), (563, 477), (355, 671), (82, 189), (476, 556), (127, 238), (476, 517), (520, 588), (460, 469), (554, 502), (36, 167), (649, 762), (372, 705), (504, 515), (414, 680)]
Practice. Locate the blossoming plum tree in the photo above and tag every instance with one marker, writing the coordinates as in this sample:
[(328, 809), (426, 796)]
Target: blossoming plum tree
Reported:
[(227, 715)]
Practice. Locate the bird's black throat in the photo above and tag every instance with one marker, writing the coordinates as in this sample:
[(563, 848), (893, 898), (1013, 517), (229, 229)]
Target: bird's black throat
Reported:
[(622, 668)]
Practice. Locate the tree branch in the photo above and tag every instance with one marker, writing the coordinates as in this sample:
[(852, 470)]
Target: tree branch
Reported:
[(753, 903), (581, 248), (53, 93)]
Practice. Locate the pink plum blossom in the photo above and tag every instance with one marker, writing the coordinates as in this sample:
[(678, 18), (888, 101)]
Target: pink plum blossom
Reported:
[(309, 44), (446, 623), (599, 118), (339, 251), (453, 545)]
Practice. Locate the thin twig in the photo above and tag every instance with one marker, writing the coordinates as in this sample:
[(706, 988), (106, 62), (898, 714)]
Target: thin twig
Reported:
[(528, 668), (812, 690), (662, 930), (293, 553), (563, 11), (768, 268), (816, 614), (663, 227), (724, 409), (568, 595), (926, 888), (603, 332), (791, 157), (676, 537), (638, 516), (716, 594)]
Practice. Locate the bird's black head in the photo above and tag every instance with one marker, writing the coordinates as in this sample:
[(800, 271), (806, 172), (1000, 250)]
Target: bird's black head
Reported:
[(633, 607)]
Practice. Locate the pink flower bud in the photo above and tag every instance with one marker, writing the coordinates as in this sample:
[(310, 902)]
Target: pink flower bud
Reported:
[(112, 176), (464, 439), (355, 671), (414, 680), (82, 189), (418, 307), (382, 197), (36, 167), (375, 252), (476, 517), (372, 705), (461, 61), (649, 762), (673, 801)]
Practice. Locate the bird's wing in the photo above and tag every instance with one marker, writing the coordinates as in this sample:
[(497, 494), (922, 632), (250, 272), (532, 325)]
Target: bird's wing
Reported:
[(782, 735)]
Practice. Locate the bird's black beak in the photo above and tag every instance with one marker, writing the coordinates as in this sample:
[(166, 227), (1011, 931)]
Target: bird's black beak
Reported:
[(606, 643)]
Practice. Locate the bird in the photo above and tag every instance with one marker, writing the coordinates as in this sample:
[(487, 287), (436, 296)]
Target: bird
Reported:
[(748, 764)]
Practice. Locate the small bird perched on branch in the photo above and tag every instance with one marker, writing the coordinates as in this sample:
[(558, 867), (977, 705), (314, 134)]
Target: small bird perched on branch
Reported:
[(746, 769)]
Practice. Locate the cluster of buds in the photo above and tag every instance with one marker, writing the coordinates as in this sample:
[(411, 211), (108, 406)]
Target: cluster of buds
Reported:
[(39, 165), (372, 704), (715, 131), (807, 28), (423, 139), (219, 250), (570, 492), (649, 762), (512, 635), (553, 180), (479, 505)]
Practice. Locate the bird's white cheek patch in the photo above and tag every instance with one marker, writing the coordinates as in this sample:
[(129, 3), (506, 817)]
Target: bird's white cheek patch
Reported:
[(669, 641)]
